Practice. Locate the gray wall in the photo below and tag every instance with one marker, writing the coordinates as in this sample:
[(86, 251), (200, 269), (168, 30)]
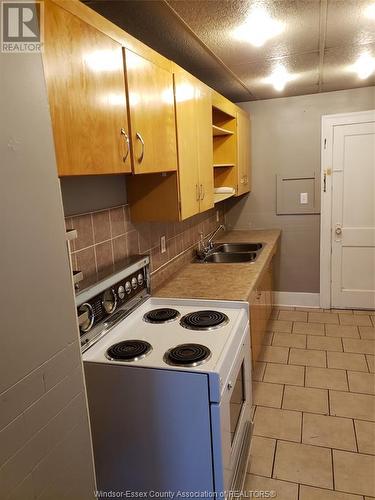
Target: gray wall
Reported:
[(82, 194), (45, 448), (286, 140)]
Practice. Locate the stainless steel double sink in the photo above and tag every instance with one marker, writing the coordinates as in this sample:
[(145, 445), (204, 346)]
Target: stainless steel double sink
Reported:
[(227, 253)]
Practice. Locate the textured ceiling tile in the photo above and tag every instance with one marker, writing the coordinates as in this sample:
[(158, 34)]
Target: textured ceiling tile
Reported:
[(354, 84), (153, 22), (338, 73), (214, 22), (270, 93), (208, 31), (348, 24), (303, 68)]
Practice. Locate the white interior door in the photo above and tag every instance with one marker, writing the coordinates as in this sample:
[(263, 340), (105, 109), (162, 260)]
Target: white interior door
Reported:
[(353, 216)]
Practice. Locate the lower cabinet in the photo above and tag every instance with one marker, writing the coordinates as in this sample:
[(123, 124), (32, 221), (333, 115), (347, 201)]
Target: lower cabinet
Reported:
[(260, 312)]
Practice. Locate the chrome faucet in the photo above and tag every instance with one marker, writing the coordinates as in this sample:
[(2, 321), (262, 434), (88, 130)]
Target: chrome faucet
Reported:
[(204, 248)]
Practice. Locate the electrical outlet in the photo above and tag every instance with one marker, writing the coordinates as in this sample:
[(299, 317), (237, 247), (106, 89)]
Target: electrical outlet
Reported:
[(163, 246), (217, 216), (303, 198)]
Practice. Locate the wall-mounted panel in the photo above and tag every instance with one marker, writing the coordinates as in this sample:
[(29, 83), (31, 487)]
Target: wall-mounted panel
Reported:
[(296, 194)]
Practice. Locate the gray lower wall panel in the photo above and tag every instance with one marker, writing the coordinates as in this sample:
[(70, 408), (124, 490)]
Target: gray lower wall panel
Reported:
[(45, 447)]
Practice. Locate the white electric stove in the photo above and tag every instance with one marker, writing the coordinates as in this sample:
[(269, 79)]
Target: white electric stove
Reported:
[(168, 384)]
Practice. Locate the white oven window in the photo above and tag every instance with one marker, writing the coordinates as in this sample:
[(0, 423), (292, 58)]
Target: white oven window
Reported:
[(237, 401)]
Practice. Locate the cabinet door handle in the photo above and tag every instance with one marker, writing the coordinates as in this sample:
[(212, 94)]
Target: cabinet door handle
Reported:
[(197, 194), (140, 138), (126, 137), (202, 192)]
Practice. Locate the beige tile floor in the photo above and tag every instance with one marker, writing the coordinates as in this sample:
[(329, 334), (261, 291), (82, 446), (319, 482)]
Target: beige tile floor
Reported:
[(314, 407)]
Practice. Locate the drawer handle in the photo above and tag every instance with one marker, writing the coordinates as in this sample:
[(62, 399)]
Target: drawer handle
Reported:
[(197, 195), (140, 138), (202, 192), (126, 137)]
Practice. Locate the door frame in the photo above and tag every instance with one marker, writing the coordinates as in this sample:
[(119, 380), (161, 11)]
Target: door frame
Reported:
[(329, 122)]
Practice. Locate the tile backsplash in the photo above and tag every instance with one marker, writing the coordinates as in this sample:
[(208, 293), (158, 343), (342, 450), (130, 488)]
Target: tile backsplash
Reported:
[(107, 237)]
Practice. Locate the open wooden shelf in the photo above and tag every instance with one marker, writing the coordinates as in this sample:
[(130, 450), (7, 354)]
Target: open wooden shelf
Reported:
[(216, 131), (220, 165), (222, 196)]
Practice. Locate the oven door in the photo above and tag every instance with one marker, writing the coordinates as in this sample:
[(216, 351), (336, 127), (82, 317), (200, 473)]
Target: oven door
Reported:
[(231, 426)]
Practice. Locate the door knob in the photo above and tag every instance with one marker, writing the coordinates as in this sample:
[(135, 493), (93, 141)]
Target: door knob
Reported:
[(338, 230)]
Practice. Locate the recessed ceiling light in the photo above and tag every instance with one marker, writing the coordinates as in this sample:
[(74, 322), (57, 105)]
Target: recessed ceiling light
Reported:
[(364, 66), (370, 11), (258, 27), (280, 77)]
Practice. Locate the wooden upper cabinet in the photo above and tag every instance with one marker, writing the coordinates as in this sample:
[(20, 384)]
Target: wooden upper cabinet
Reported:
[(186, 121), (152, 115), (194, 139), (243, 152), (86, 88), (205, 147)]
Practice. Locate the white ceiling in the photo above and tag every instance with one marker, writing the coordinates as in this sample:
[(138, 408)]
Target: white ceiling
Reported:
[(321, 40)]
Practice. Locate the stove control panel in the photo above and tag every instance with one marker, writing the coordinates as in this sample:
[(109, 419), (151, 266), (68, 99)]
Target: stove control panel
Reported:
[(110, 304)]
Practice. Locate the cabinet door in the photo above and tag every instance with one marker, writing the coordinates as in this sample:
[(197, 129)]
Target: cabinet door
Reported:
[(152, 115), (243, 153), (260, 313), (203, 126), (186, 121), (256, 326), (267, 287), (86, 88)]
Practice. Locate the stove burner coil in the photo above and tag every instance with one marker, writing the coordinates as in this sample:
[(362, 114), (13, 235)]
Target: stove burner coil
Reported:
[(162, 315), (204, 320), (187, 355), (129, 350)]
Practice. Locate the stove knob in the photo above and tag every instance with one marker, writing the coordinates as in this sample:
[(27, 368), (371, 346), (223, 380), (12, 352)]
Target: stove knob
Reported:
[(140, 279), (121, 292), (86, 317), (109, 300), (128, 287), (134, 282)]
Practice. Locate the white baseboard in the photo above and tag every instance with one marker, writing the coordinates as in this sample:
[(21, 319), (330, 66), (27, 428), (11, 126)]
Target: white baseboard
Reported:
[(296, 299)]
